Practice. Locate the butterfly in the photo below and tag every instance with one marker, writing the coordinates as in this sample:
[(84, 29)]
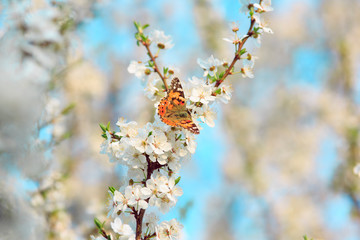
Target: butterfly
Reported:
[(172, 109)]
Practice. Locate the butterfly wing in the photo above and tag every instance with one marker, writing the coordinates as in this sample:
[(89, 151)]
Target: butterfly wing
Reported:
[(189, 125), (172, 109)]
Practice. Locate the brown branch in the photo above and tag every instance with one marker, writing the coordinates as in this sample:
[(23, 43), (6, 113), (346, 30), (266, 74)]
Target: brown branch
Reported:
[(237, 54), (152, 166), (152, 57)]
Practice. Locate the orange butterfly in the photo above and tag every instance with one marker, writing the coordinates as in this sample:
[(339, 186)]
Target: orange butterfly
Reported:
[(172, 109)]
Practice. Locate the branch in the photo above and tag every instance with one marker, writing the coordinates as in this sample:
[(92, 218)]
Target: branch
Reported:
[(152, 57), (237, 53), (152, 166)]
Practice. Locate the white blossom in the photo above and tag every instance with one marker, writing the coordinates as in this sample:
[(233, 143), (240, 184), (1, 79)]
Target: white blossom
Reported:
[(150, 221), (158, 143), (157, 185), (225, 92), (168, 230), (174, 162), (138, 69), (125, 231), (151, 91), (134, 158), (207, 115), (117, 150), (173, 191), (141, 141), (202, 94), (247, 70), (160, 158), (161, 40), (138, 196), (127, 129), (190, 142), (264, 6), (210, 65), (262, 23)]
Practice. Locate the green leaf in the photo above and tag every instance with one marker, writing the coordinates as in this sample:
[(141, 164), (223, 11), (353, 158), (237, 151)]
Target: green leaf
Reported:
[(98, 223), (306, 238), (137, 25), (67, 25), (218, 91), (150, 133), (251, 11), (212, 79), (138, 36), (143, 37), (102, 127), (145, 26), (108, 126), (221, 75), (68, 109), (151, 64), (177, 180), (104, 136), (66, 135), (112, 189), (166, 70), (242, 51)]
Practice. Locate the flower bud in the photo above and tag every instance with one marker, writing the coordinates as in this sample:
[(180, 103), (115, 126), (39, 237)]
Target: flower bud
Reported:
[(147, 71), (161, 45)]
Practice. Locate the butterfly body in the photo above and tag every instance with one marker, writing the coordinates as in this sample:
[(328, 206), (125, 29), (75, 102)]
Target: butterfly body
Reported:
[(172, 108)]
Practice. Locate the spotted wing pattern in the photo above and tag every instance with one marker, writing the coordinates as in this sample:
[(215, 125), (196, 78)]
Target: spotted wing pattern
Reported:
[(172, 109)]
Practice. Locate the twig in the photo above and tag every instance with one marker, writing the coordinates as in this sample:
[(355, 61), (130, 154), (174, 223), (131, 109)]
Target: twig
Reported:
[(237, 54), (147, 46)]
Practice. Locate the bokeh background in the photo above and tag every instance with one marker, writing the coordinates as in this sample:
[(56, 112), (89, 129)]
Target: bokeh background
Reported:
[(277, 165)]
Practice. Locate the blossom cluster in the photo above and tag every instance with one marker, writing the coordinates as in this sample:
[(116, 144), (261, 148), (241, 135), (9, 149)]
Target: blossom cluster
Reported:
[(153, 153), (34, 42), (49, 199)]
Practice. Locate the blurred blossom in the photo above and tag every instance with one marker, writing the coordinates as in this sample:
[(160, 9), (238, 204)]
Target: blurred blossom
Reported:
[(245, 6), (262, 23), (265, 6), (356, 169), (137, 68), (291, 133)]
